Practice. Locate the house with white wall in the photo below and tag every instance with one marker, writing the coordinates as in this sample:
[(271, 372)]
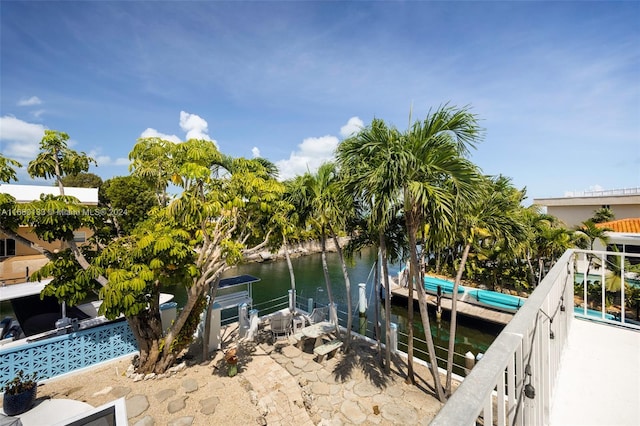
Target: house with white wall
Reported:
[(18, 260), (576, 208)]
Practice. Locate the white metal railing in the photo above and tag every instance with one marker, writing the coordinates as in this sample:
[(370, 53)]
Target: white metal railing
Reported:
[(514, 381), (600, 288), (604, 193)]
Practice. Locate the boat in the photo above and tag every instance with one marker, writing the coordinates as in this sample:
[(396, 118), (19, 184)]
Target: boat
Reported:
[(485, 298), (36, 318), (431, 285), (494, 300)]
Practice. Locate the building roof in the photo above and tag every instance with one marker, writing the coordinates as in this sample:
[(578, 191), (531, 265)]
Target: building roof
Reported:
[(28, 193), (630, 225)]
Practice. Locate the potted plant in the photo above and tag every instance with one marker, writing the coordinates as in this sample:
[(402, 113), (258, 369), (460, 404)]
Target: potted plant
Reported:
[(19, 394)]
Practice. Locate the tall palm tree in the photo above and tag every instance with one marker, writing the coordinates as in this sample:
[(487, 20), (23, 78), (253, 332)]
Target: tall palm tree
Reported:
[(370, 163), (586, 236), (436, 176), (329, 210), (411, 168), (490, 214)]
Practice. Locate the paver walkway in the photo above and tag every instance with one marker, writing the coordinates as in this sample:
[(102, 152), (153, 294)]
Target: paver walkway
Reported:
[(284, 384)]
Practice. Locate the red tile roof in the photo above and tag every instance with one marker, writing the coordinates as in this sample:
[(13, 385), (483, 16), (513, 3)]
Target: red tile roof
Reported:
[(631, 225)]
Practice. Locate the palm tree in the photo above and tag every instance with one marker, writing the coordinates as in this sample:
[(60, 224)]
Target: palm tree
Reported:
[(328, 214), (411, 169), (490, 214), (369, 162), (436, 175), (586, 235), (602, 215)]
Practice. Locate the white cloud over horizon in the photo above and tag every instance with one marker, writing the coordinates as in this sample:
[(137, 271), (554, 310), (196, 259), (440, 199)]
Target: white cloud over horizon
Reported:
[(150, 132), (194, 126), (106, 160), (354, 125), (255, 151), (34, 100), (311, 153), (314, 151), (19, 139)]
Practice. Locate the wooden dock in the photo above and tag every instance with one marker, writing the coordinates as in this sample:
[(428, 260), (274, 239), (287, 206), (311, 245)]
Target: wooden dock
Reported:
[(463, 308)]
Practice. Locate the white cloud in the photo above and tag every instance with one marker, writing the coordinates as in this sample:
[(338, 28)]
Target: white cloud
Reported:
[(354, 125), (34, 100), (193, 125), (37, 113), (311, 153), (255, 151), (153, 133), (105, 160), (19, 139)]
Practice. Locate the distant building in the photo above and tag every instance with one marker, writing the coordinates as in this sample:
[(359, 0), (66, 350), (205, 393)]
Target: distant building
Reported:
[(623, 236), (18, 260), (577, 208)]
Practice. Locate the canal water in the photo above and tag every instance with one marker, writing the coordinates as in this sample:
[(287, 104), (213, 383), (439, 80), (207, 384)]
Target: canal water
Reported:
[(472, 334)]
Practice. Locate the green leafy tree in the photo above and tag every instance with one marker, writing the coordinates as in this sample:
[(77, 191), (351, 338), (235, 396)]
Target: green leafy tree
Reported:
[(370, 162), (7, 170), (434, 172), (129, 200), (54, 160), (216, 219), (602, 215), (491, 214), (82, 180), (328, 210), (422, 167)]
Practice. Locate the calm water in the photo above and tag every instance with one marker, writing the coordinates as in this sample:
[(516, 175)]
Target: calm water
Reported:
[(472, 335)]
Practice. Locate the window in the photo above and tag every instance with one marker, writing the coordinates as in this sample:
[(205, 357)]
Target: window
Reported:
[(79, 236), (7, 247)]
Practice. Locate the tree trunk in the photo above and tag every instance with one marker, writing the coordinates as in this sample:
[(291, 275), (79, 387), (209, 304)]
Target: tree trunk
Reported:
[(347, 284), (147, 329), (410, 374), (325, 271), (292, 276), (416, 279), (376, 316), (387, 303), (454, 318)]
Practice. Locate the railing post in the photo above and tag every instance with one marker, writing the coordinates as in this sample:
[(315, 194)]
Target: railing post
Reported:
[(243, 320), (393, 338), (216, 327), (362, 308), (253, 324), (469, 362), (292, 300), (310, 304)]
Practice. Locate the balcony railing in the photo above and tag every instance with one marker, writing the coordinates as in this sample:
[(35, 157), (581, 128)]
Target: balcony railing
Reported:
[(514, 382)]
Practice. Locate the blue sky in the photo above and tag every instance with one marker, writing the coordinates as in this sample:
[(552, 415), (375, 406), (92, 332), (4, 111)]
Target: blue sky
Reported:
[(555, 84)]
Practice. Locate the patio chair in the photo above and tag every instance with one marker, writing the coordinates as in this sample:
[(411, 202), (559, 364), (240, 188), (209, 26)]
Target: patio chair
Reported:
[(318, 315), (281, 325)]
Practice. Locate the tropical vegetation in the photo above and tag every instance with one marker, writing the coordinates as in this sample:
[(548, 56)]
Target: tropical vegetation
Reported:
[(194, 212)]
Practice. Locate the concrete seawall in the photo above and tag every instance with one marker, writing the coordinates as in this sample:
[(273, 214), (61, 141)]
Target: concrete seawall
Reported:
[(295, 250)]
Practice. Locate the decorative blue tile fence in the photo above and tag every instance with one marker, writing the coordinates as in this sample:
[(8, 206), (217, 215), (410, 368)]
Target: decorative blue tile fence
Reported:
[(57, 355)]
